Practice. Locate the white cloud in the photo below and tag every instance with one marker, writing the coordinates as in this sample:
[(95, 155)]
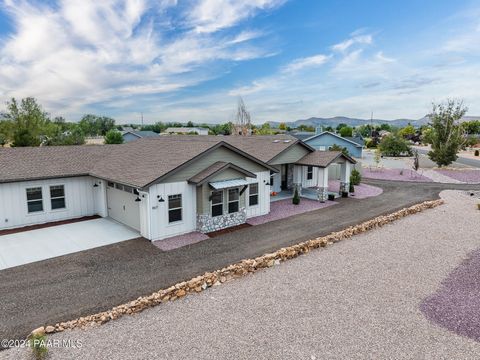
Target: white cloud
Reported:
[(77, 53), (357, 39), (306, 62), (212, 15)]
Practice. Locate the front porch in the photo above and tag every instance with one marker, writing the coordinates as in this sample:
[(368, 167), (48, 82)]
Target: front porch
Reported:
[(306, 193)]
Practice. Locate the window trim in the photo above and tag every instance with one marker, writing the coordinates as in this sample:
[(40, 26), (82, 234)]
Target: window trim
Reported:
[(29, 201), (309, 172), (177, 208), (233, 201), (58, 197), (254, 194), (222, 203)]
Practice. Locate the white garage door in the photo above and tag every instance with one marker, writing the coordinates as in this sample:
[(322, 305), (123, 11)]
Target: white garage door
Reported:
[(122, 206)]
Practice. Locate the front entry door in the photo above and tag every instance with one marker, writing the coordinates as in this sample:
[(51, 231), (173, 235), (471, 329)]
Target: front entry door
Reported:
[(284, 173)]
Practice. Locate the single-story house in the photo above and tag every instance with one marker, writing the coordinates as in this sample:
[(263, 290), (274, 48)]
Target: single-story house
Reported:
[(186, 130), (135, 135), (325, 140), (162, 186)]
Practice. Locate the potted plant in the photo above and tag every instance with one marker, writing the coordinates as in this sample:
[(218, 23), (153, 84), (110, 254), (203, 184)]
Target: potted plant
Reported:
[(351, 188), (331, 197)]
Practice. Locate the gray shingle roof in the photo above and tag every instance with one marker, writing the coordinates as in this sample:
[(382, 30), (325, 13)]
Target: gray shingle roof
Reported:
[(322, 158), (215, 168), (136, 163)]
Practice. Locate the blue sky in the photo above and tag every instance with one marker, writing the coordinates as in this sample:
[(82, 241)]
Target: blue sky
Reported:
[(186, 60)]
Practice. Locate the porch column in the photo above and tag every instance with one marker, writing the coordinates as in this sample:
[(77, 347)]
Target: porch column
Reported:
[(297, 178), (322, 184), (345, 170)]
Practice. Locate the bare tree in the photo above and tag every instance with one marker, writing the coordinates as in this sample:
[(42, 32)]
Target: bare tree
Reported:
[(243, 123)]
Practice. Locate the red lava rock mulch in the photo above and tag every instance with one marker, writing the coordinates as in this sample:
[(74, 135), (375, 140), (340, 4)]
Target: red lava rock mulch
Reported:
[(228, 230)]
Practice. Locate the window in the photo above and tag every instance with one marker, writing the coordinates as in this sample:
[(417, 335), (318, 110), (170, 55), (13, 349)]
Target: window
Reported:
[(233, 200), (309, 172), (57, 197), (128, 189), (217, 203), (272, 174), (174, 208), (34, 199), (253, 194), (118, 186), (111, 184)]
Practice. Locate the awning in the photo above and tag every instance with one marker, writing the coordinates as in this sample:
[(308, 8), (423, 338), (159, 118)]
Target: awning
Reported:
[(225, 184)]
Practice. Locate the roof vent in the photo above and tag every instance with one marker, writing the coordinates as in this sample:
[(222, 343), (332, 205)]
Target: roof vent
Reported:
[(286, 141), (276, 141)]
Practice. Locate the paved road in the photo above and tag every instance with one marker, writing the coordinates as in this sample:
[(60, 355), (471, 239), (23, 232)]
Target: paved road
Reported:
[(91, 281), (461, 160)]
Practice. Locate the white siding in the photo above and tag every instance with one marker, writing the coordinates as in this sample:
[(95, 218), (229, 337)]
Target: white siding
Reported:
[(159, 226), (79, 198), (263, 206), (313, 181)]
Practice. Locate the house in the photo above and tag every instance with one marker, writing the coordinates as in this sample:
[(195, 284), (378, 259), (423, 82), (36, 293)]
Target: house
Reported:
[(133, 135), (161, 186), (186, 130), (325, 140)]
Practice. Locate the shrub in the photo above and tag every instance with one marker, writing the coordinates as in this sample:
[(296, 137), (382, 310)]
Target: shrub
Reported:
[(355, 177), (392, 145), (296, 197), (351, 188), (477, 153), (113, 137), (37, 343)]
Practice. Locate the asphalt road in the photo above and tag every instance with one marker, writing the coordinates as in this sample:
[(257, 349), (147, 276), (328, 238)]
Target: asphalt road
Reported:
[(95, 280), (460, 160)]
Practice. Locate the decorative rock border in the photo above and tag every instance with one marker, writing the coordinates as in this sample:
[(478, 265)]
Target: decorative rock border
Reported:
[(242, 268)]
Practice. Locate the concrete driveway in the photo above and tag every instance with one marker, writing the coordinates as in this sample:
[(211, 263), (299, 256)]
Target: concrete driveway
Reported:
[(40, 244)]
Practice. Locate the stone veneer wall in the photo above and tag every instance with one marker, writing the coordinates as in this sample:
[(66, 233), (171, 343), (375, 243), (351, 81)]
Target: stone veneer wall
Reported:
[(322, 194), (207, 223)]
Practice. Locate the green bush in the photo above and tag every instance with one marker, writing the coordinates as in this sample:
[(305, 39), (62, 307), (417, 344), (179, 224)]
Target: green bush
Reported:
[(355, 177), (351, 188), (477, 153), (392, 145), (296, 197), (37, 343)]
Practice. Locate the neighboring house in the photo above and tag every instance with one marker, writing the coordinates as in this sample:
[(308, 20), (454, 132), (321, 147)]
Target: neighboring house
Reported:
[(186, 130), (301, 135), (325, 140), (135, 135), (161, 186)]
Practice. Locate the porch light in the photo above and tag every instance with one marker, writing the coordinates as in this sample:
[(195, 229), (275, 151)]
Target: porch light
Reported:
[(95, 185), (160, 198), (138, 199)]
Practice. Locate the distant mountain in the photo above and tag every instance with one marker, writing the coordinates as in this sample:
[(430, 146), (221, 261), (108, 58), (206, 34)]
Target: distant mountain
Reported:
[(335, 121)]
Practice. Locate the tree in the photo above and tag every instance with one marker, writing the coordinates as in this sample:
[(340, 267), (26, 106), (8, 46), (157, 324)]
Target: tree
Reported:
[(282, 126), (29, 122), (407, 131), (74, 136), (346, 131), (113, 137), (393, 145), (336, 147), (416, 160), (190, 124), (355, 177), (340, 126), (93, 125), (243, 123), (377, 157), (447, 133)]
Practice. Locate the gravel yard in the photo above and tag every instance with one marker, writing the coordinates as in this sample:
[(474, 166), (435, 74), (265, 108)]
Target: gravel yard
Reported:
[(464, 176), (394, 174), (362, 191), (359, 298)]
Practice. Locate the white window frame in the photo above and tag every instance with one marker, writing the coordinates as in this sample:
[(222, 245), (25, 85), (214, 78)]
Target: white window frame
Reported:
[(250, 194), (29, 201), (217, 204), (233, 201), (58, 197), (309, 172), (177, 208)]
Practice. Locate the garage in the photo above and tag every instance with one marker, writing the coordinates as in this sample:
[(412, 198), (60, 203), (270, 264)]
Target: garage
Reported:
[(122, 205)]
